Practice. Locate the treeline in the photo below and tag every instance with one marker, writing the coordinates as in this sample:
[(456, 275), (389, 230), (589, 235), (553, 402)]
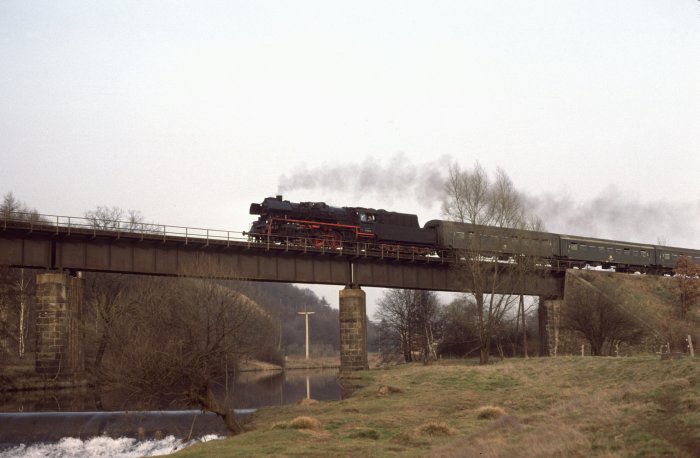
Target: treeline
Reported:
[(113, 302), (414, 325)]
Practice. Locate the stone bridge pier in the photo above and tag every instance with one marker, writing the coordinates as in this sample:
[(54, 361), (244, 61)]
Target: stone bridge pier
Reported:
[(549, 320), (353, 329), (59, 326)]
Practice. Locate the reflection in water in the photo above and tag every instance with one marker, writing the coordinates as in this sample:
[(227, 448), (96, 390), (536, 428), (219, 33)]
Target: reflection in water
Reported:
[(249, 391), (84, 413), (257, 389)]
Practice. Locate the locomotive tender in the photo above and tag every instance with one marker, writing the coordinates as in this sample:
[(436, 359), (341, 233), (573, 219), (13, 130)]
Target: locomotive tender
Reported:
[(322, 226)]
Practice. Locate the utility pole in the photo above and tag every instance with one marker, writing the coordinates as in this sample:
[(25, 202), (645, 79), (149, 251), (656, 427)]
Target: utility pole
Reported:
[(307, 330)]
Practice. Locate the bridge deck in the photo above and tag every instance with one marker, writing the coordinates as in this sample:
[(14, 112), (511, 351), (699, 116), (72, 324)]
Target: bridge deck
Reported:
[(76, 244)]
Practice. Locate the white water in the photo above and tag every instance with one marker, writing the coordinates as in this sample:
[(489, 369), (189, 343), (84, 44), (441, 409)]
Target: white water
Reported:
[(103, 447)]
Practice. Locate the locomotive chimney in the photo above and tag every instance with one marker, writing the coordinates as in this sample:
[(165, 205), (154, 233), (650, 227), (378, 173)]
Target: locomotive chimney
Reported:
[(279, 197)]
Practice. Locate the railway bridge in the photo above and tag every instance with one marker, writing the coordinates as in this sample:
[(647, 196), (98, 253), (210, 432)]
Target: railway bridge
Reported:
[(65, 246)]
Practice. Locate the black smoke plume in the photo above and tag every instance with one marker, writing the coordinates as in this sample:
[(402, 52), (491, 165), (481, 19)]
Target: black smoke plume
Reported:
[(618, 216), (608, 214), (396, 179)]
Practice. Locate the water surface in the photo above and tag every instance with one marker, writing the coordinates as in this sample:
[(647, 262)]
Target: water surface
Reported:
[(86, 422)]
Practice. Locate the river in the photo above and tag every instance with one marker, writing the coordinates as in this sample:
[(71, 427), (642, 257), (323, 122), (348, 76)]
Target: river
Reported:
[(70, 423)]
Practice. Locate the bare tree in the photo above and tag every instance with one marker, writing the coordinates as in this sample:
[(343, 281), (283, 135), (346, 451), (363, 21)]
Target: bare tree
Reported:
[(117, 219), (14, 209), (472, 197), (457, 327), (181, 337), (596, 314), (104, 217), (406, 321), (22, 288), (106, 297), (17, 282), (394, 315)]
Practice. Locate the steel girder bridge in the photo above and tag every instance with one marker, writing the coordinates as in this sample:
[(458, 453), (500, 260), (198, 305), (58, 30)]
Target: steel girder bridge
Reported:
[(62, 243)]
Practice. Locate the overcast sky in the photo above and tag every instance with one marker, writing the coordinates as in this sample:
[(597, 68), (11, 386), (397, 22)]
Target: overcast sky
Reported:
[(189, 111)]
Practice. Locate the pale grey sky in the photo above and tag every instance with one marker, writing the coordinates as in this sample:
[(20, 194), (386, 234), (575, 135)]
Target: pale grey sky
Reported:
[(190, 110)]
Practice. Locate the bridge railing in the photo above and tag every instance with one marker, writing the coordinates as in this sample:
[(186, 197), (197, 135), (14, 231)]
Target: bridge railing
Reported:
[(74, 225), (81, 226)]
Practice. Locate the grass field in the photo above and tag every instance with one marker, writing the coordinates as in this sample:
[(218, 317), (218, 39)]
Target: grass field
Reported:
[(635, 406)]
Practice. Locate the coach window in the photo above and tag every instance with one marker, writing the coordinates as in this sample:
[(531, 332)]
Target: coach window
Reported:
[(645, 254), (667, 256), (573, 247), (459, 235)]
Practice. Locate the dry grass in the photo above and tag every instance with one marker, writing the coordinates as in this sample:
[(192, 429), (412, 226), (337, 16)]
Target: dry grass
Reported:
[(639, 406), (304, 422), (384, 390), (435, 429), (306, 402), (489, 412)]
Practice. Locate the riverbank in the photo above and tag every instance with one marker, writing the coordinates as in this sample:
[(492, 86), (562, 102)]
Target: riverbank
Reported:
[(638, 406)]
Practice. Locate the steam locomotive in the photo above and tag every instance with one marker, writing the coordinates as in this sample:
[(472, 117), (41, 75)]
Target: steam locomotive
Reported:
[(322, 226)]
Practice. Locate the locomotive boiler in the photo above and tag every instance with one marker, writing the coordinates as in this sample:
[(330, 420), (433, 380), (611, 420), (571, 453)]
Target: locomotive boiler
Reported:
[(325, 226)]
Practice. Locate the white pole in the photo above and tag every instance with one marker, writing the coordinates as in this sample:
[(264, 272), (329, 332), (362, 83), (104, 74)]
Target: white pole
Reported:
[(307, 330), (690, 345)]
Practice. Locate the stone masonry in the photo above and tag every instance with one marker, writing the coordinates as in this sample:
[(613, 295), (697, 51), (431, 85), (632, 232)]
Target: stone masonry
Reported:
[(59, 344), (549, 317), (353, 330)]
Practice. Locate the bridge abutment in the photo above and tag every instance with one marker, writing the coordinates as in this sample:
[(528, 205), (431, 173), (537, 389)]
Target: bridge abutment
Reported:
[(353, 329), (59, 344)]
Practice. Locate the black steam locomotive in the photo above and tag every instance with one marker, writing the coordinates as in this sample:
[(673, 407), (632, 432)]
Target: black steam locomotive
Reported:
[(322, 226)]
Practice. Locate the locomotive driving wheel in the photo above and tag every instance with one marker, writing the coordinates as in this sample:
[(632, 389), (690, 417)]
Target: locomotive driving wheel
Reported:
[(330, 240), (335, 240)]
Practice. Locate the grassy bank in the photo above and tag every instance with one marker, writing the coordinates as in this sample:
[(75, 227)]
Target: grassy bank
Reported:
[(637, 406)]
